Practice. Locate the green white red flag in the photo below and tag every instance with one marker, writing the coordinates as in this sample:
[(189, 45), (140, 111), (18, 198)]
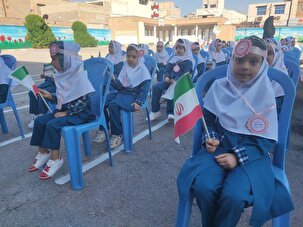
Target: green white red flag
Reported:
[(187, 109), (22, 76)]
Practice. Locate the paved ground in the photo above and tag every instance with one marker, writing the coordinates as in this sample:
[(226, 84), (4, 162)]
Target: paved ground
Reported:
[(139, 190)]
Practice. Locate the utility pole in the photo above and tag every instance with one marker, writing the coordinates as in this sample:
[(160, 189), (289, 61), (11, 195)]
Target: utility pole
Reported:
[(290, 8)]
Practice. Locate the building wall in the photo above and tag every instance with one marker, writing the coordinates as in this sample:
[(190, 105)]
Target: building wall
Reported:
[(270, 11), (130, 8), (169, 10)]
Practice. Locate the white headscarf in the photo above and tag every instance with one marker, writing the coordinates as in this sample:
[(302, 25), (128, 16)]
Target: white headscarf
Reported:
[(278, 63), (188, 55), (163, 56), (223, 100), (73, 82), (213, 54), (117, 57), (133, 76), (4, 72), (144, 47)]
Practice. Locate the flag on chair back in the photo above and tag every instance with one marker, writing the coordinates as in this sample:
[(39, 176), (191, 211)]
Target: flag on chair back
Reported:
[(22, 76), (187, 107)]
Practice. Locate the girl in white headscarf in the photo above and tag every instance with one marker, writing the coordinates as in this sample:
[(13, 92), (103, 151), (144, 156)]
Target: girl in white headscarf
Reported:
[(4, 80), (200, 62), (116, 56), (132, 85), (275, 59), (73, 107), (179, 64), (216, 55), (233, 168), (162, 58)]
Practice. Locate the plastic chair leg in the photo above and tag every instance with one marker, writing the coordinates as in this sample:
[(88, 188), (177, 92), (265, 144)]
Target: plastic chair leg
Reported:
[(18, 121), (86, 143), (184, 211), (108, 147), (3, 122), (148, 122), (127, 126), (281, 221), (72, 145)]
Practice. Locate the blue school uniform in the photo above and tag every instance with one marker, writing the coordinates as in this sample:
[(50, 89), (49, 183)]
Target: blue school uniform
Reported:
[(223, 194), (123, 100), (185, 67), (200, 68), (47, 128), (160, 71), (3, 92), (36, 104)]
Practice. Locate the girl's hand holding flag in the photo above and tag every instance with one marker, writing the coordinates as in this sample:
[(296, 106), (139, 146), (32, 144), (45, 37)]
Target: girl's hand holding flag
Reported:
[(212, 144), (45, 93)]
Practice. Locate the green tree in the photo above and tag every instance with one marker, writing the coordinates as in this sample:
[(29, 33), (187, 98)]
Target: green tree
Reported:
[(81, 35), (38, 32)]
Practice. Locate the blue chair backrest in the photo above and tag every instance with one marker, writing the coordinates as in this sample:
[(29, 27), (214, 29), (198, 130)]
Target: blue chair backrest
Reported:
[(290, 56), (297, 53), (230, 49), (151, 52), (151, 64), (227, 54), (123, 52), (9, 60), (293, 70), (169, 50), (100, 72), (285, 114), (204, 54)]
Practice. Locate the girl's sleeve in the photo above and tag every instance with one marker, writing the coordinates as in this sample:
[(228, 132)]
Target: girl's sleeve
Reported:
[(210, 120), (117, 68), (143, 92), (168, 69), (253, 148), (117, 84), (187, 67), (200, 68)]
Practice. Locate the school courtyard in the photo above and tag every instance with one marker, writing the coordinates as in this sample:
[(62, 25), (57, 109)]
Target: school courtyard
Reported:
[(138, 190)]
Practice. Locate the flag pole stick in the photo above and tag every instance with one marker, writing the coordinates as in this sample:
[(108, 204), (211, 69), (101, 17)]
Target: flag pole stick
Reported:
[(45, 103), (205, 127)]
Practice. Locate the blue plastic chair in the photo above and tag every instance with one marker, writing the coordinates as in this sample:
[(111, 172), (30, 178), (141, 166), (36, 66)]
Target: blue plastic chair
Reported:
[(184, 207), (293, 70), (10, 61), (297, 53), (227, 54), (204, 54), (100, 72), (127, 117), (151, 53), (169, 50), (290, 56)]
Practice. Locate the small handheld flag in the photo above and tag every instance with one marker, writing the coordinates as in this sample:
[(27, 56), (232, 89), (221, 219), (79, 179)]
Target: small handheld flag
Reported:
[(187, 109), (22, 76)]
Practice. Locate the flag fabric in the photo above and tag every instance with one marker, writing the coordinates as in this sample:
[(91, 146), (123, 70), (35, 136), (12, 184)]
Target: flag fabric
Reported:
[(187, 109), (22, 76)]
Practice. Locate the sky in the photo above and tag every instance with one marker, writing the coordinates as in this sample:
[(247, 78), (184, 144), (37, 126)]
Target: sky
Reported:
[(238, 5)]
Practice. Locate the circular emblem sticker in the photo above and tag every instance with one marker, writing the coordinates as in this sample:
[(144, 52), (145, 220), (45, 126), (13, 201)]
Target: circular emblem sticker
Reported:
[(54, 49), (242, 48), (176, 68), (257, 124)]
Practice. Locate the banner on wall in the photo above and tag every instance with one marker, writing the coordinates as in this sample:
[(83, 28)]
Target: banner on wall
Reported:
[(14, 37)]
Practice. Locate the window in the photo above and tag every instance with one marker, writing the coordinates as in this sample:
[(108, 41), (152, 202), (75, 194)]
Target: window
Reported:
[(213, 6), (261, 10), (205, 6), (143, 2), (279, 9)]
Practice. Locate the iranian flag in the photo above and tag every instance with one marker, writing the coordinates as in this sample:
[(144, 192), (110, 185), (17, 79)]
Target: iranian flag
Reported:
[(187, 107), (22, 76)]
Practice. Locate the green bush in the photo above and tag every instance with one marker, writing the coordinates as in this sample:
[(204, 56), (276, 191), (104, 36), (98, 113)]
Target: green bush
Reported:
[(38, 32), (81, 35)]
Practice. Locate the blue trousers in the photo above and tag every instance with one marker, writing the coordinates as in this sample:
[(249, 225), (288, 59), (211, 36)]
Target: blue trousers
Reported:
[(156, 96), (110, 97), (121, 101), (36, 105), (222, 196), (47, 131)]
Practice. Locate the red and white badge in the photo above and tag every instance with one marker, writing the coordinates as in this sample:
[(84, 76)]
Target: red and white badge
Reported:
[(242, 48), (257, 124), (176, 68)]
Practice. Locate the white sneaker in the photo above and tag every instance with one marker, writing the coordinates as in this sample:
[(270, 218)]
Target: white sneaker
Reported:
[(154, 115), (115, 141), (52, 166), (32, 122), (170, 117), (39, 161), (100, 138)]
